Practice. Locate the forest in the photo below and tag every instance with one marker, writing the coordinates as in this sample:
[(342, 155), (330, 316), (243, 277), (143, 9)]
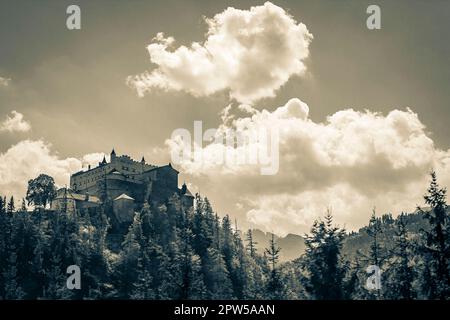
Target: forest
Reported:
[(171, 253)]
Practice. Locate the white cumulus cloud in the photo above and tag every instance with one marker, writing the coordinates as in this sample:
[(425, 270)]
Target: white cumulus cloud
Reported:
[(250, 53), (4, 82), (351, 162), (15, 123), (27, 159)]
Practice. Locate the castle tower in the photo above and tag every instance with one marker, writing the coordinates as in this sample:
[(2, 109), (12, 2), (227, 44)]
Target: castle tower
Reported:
[(113, 155), (143, 164)]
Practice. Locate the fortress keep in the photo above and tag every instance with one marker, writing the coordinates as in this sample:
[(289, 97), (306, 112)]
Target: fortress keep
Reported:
[(122, 180)]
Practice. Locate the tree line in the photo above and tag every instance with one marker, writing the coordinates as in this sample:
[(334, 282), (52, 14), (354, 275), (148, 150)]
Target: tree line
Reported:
[(169, 252)]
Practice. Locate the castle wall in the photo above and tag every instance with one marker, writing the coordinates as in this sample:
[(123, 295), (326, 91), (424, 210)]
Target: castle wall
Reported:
[(86, 205), (167, 177), (115, 187), (123, 210), (123, 175), (165, 184), (61, 204), (69, 204), (127, 166), (87, 181)]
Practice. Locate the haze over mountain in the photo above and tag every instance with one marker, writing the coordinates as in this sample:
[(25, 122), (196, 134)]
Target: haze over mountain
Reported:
[(293, 245)]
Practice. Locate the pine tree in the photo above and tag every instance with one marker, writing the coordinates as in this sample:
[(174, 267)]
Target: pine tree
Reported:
[(376, 257), (190, 282), (202, 234), (437, 242), (401, 284), (4, 222), (11, 206), (157, 262), (2, 205), (25, 240), (12, 289), (55, 279), (216, 231), (23, 207), (217, 276), (273, 252), (142, 288), (374, 231), (128, 264), (322, 263), (92, 258), (428, 284), (238, 273), (354, 286), (251, 245), (37, 264), (274, 287), (255, 287)]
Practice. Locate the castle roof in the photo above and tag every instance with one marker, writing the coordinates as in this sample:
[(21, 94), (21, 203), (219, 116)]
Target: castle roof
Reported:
[(64, 193), (188, 193), (161, 167), (114, 171), (78, 173), (147, 166), (124, 196)]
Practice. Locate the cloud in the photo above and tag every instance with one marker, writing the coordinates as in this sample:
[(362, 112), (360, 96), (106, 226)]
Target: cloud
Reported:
[(4, 82), (27, 159), (352, 161), (15, 123), (250, 53)]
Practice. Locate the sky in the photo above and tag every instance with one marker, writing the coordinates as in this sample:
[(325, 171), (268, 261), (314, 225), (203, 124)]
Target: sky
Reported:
[(362, 114)]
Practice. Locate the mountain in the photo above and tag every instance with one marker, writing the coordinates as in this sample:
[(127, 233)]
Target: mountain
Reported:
[(292, 245), (360, 240)]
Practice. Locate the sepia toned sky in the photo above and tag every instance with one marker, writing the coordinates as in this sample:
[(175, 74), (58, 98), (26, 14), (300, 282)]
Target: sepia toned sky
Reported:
[(365, 112)]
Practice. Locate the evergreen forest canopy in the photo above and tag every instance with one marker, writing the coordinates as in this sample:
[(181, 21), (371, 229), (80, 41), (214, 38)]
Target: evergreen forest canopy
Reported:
[(170, 253)]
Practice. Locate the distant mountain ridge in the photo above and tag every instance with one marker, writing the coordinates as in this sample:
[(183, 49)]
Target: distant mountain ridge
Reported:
[(293, 245)]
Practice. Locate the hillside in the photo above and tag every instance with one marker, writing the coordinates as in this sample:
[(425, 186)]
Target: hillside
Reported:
[(360, 241), (293, 245)]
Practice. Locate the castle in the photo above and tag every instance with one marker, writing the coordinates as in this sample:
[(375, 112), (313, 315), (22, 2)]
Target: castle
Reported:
[(125, 183)]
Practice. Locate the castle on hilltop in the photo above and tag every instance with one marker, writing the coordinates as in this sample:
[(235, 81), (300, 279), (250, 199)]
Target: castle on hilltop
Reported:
[(124, 182)]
